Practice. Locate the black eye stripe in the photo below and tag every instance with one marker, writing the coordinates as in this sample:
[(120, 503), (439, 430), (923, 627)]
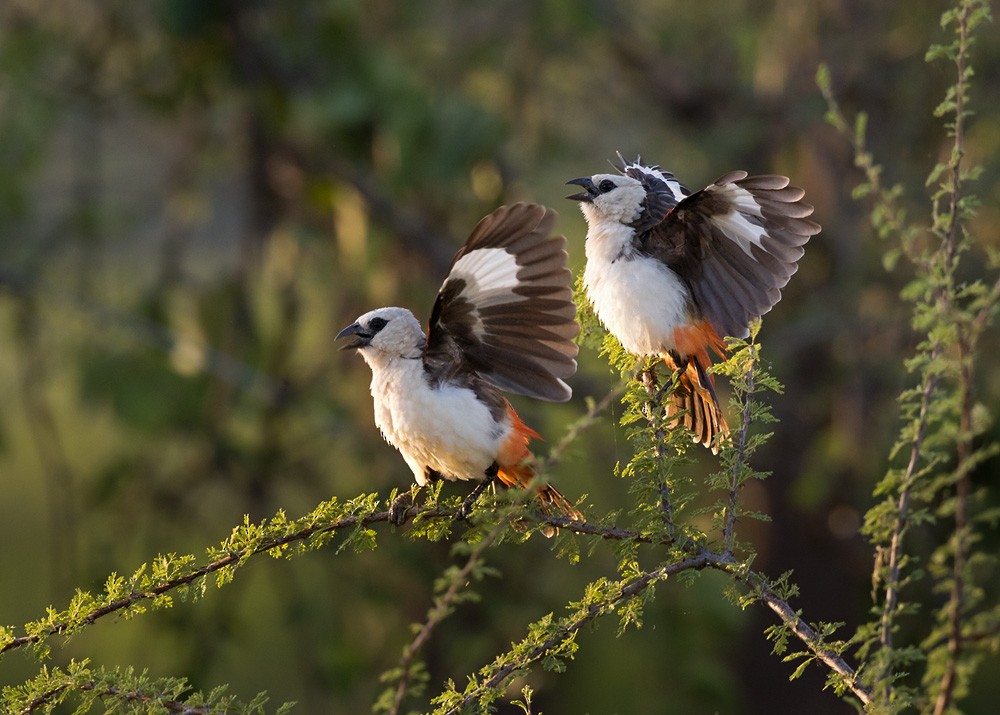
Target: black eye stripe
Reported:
[(606, 186), (376, 324)]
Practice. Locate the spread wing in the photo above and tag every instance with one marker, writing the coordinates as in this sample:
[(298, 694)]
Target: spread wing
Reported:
[(736, 243), (506, 309)]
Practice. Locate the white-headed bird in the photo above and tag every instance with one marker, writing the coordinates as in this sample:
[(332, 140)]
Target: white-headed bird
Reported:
[(504, 319), (670, 273)]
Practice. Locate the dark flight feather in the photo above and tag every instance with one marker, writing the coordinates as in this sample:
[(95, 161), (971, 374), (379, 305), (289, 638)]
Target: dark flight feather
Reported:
[(517, 334)]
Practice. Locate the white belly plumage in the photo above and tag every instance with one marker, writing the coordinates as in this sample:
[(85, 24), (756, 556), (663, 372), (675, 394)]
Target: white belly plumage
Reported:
[(446, 429), (639, 300)]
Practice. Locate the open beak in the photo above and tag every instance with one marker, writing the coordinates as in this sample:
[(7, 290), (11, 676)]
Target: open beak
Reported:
[(363, 337), (588, 195)]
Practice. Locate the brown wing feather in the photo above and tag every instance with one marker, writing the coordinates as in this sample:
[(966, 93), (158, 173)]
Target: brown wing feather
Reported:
[(736, 244), (506, 309)]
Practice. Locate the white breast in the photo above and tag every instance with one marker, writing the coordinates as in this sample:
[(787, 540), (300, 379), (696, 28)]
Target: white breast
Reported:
[(446, 429), (639, 300)]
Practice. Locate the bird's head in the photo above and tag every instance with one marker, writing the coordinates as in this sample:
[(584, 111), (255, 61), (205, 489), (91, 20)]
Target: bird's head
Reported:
[(628, 197), (610, 197), (385, 333)]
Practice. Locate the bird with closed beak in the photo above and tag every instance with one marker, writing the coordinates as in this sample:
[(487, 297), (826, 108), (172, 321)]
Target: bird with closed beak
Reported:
[(504, 320), (671, 273)]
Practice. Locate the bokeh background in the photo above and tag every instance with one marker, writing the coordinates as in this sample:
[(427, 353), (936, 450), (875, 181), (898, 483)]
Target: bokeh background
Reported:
[(196, 195)]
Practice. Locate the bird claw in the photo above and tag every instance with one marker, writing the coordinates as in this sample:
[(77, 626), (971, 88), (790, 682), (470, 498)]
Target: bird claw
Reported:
[(465, 508), (400, 506)]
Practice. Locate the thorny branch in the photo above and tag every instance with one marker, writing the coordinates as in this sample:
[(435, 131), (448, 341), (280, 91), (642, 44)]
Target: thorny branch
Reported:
[(438, 612), (210, 568), (588, 419), (805, 633)]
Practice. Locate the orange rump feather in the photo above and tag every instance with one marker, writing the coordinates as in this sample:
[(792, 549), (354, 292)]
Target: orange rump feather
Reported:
[(516, 469)]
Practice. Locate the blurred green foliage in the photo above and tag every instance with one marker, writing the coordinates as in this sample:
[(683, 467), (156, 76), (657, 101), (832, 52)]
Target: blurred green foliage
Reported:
[(196, 195)]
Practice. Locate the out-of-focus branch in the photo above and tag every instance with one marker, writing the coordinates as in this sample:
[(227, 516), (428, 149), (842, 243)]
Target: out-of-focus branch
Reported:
[(960, 536), (175, 707)]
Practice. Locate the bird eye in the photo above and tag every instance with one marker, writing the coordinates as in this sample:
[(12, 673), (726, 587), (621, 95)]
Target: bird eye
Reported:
[(606, 186), (376, 324)]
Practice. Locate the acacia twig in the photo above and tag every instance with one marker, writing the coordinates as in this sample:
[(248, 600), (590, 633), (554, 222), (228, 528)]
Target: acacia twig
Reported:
[(728, 530)]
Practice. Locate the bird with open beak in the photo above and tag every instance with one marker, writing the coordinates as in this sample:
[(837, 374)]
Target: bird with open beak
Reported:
[(671, 273), (504, 319)]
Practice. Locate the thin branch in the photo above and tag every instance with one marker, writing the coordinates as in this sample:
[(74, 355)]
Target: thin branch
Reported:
[(899, 529), (439, 611), (956, 599), (728, 534), (805, 633), (653, 411)]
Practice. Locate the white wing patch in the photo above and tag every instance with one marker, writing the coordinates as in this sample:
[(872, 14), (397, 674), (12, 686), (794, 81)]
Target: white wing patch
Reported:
[(672, 183), (735, 224), (487, 270), (491, 277)]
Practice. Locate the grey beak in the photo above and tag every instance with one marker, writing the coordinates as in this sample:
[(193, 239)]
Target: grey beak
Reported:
[(587, 183), (363, 338)]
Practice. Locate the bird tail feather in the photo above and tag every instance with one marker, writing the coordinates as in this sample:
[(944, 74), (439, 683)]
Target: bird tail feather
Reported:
[(553, 502), (695, 405), (516, 469)]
